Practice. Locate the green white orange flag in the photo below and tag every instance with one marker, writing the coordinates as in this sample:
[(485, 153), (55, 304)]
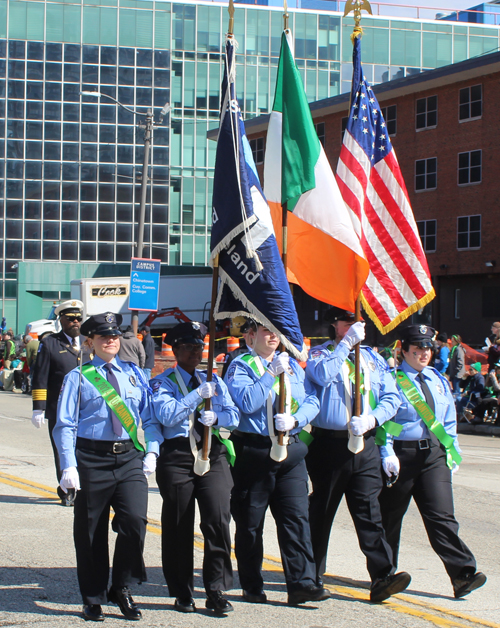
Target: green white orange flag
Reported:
[(325, 257)]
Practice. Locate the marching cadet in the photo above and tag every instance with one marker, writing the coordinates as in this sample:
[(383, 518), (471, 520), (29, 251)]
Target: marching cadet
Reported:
[(425, 455), (57, 355), (177, 407), (265, 475), (96, 435), (343, 458)]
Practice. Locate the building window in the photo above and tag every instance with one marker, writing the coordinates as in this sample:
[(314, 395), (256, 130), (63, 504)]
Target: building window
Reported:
[(320, 130), (469, 167), (426, 116), (426, 174), (390, 117), (427, 232), (470, 103), (469, 232), (257, 147), (343, 127)]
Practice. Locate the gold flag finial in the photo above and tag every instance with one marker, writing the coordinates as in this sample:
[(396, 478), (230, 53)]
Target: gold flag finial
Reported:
[(230, 10), (285, 15), (357, 6)]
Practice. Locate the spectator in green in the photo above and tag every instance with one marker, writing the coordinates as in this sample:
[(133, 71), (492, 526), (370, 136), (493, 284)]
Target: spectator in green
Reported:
[(9, 352)]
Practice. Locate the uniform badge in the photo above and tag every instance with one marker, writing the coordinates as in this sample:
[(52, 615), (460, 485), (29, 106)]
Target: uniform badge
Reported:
[(315, 354), (132, 380), (109, 318), (372, 366), (73, 303), (423, 329)]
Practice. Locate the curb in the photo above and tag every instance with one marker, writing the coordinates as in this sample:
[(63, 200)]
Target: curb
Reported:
[(486, 430)]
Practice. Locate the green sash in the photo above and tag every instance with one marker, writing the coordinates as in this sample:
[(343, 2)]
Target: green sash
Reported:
[(428, 417), (305, 436), (231, 453), (389, 427), (114, 401), (250, 360)]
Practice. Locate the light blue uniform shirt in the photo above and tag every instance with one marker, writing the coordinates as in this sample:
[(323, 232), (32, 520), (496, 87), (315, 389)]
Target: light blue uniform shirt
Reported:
[(93, 419), (324, 369), (250, 393), (413, 426), (171, 410)]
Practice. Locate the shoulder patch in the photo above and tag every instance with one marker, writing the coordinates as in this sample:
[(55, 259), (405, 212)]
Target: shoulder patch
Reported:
[(315, 353), (230, 373)]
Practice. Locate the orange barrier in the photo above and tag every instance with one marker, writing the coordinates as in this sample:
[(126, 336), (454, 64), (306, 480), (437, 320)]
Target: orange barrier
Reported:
[(204, 356), (166, 350), (34, 335), (140, 337), (220, 358), (232, 344)]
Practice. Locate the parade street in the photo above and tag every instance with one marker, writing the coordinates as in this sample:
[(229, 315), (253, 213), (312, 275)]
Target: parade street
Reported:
[(38, 584)]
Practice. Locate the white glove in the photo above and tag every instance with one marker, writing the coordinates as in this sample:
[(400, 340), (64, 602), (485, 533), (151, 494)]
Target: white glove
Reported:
[(284, 422), (355, 334), (280, 364), (149, 464), (206, 390), (208, 418), (70, 479), (391, 465), (454, 468), (38, 418), (361, 424)]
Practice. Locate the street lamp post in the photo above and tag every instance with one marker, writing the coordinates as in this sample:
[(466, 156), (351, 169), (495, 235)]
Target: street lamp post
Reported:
[(148, 134)]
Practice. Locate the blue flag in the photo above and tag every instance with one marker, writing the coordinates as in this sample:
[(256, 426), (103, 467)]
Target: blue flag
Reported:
[(253, 280)]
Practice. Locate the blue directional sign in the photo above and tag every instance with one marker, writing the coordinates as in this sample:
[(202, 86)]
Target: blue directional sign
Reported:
[(144, 284)]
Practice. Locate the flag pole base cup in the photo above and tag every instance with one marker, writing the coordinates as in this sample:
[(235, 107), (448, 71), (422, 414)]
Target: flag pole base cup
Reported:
[(356, 444), (201, 466), (278, 452)]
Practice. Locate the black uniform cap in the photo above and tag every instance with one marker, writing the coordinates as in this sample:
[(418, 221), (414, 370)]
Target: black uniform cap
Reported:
[(185, 333), (418, 335), (102, 324), (338, 314)]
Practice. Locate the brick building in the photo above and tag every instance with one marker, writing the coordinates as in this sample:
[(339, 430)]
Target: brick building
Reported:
[(444, 127)]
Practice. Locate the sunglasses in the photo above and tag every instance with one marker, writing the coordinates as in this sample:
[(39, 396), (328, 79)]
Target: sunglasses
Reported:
[(74, 318), (189, 347)]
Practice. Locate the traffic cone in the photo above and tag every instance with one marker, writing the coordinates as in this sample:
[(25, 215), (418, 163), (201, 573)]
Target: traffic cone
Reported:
[(204, 357), (232, 344), (166, 350)]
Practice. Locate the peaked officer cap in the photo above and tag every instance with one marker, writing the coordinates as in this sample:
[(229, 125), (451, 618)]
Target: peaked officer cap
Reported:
[(186, 333), (102, 324), (73, 306), (418, 335)]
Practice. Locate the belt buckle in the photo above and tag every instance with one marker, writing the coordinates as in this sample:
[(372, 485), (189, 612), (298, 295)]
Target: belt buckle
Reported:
[(423, 443), (117, 448)]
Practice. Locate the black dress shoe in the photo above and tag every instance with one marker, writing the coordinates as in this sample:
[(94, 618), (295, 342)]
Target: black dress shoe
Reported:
[(123, 598), (92, 612), (309, 593), (217, 602), (184, 605), (385, 587), (254, 596), (468, 582)]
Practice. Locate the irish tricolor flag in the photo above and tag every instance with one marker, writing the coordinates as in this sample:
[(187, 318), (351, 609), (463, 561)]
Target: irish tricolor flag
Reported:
[(325, 256)]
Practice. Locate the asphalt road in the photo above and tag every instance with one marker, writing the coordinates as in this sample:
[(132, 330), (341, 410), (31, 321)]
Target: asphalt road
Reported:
[(37, 561)]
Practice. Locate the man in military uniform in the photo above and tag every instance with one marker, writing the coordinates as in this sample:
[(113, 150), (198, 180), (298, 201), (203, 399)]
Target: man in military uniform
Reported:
[(343, 458), (57, 355), (424, 455)]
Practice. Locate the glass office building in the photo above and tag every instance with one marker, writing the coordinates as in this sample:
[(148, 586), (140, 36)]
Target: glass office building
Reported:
[(71, 164)]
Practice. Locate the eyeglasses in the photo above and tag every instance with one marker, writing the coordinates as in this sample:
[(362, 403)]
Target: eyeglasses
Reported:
[(189, 347), (74, 318)]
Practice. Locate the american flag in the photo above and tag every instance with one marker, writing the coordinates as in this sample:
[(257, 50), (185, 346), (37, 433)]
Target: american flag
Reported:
[(372, 185)]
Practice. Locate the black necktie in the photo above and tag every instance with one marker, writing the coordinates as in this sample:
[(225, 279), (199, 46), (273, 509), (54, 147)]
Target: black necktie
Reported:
[(198, 427), (117, 424), (427, 393)]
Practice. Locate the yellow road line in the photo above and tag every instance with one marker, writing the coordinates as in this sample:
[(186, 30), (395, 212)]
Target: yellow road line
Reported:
[(273, 563)]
